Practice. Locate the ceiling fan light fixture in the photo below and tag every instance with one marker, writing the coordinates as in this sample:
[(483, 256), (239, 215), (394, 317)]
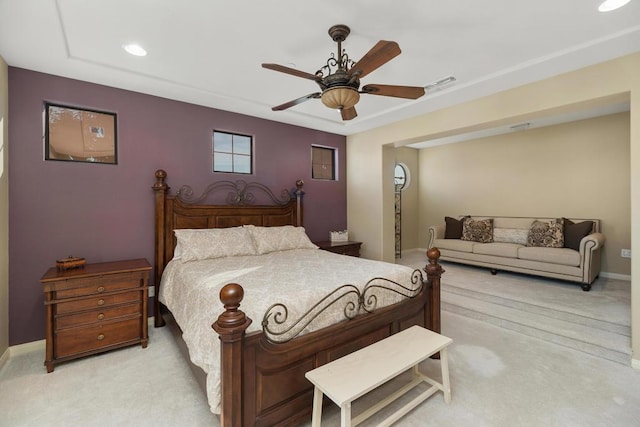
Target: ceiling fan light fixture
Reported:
[(341, 97)]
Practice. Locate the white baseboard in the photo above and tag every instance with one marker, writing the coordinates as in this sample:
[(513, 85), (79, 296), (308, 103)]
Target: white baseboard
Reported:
[(28, 347), (17, 350), (33, 346), (616, 276), (4, 358)]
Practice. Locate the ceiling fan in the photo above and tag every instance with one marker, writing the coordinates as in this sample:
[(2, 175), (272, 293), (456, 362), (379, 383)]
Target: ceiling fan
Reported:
[(339, 79)]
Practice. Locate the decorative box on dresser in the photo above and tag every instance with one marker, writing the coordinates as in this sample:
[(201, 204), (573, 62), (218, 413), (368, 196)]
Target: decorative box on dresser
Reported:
[(345, 248), (95, 308)]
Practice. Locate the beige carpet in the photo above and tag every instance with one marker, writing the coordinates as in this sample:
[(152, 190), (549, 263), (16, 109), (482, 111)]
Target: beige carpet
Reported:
[(596, 322), (499, 377)]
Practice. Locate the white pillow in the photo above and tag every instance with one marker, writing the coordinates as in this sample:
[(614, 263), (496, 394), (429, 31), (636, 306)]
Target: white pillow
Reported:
[(510, 235), (208, 243), (284, 238)]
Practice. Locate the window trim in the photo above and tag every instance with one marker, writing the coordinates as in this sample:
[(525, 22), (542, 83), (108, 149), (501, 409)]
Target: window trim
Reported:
[(334, 151), (251, 155)]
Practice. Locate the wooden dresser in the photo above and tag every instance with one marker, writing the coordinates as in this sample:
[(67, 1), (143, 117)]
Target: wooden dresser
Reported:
[(96, 308), (344, 248)]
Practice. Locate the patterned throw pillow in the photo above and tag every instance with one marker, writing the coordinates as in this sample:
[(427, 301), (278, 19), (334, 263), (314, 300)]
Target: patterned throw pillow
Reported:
[(546, 234), (478, 230)]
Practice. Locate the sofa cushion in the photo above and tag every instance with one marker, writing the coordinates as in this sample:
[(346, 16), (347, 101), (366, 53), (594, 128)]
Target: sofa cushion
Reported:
[(574, 232), (453, 227), (454, 245), (509, 250), (562, 256), (546, 234), (511, 235), (480, 230)]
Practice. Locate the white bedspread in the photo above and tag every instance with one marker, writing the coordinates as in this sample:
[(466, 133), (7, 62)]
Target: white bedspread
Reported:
[(296, 278)]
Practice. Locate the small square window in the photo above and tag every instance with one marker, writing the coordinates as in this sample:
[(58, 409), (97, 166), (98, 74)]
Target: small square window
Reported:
[(323, 163), (232, 153)]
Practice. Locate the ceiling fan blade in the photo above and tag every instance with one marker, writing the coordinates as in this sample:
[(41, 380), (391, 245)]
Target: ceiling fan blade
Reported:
[(292, 71), (409, 92), (383, 52), (348, 113), (296, 101)]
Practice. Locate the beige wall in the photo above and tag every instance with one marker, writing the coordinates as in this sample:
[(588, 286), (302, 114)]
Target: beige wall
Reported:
[(576, 170), (606, 83), (4, 211)]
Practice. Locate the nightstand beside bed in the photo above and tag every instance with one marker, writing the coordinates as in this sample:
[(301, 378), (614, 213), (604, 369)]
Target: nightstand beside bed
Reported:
[(95, 308), (351, 248)]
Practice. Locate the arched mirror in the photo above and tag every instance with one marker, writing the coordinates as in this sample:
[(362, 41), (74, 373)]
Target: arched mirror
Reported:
[(400, 176)]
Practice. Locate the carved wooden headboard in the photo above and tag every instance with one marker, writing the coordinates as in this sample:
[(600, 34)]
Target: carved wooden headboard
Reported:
[(183, 210)]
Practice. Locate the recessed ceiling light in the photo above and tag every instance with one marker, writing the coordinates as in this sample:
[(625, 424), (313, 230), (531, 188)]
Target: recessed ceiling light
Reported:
[(135, 49), (609, 5)]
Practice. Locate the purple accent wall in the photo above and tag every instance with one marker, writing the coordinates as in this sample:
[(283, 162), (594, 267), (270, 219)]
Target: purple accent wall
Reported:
[(105, 212)]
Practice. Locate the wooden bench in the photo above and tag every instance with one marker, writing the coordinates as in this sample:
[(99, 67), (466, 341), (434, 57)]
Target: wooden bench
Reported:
[(350, 377)]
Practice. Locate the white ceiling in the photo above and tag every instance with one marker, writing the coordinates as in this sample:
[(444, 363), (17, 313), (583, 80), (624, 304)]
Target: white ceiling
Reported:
[(209, 52)]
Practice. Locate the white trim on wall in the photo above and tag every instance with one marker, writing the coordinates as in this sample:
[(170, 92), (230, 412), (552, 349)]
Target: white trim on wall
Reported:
[(617, 276), (4, 358), (28, 347)]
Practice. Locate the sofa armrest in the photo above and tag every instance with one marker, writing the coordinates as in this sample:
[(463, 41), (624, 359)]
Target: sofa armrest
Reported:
[(592, 242), (435, 232), (590, 257)]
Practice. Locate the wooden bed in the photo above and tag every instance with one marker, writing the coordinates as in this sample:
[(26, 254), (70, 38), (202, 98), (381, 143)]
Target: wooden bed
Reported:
[(263, 381)]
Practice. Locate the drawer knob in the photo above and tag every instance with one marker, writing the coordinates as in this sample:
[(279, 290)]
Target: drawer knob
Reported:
[(100, 337), (100, 289), (100, 302), (100, 316)]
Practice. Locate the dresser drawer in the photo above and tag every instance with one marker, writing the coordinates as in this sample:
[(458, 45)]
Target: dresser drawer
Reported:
[(97, 302), (97, 285), (100, 315), (80, 340)]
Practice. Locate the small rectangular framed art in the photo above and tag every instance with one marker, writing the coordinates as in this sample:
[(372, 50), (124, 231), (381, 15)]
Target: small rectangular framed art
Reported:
[(80, 135)]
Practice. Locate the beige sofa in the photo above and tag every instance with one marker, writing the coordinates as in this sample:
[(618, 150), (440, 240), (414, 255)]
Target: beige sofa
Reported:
[(513, 254)]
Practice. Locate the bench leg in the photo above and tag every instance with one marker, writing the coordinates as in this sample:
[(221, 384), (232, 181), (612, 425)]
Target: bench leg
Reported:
[(444, 365), (317, 407), (345, 415)]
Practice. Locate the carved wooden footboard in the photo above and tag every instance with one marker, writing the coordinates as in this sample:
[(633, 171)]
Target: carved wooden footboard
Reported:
[(263, 381)]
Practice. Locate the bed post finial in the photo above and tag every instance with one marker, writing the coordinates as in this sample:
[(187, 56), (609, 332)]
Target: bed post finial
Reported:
[(161, 176), (434, 272), (231, 295), (231, 326)]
